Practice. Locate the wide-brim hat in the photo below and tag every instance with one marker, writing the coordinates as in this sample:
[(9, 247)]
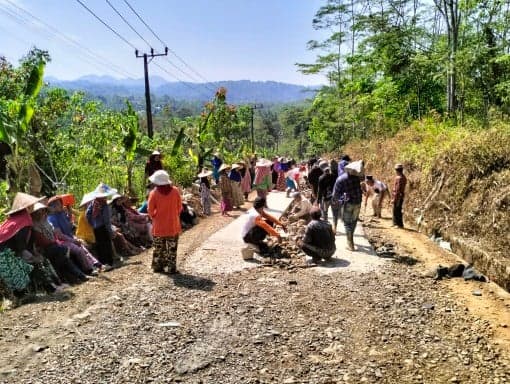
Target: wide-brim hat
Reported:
[(160, 178), (53, 199), (355, 168), (323, 164), (114, 197), (263, 163), (23, 201), (38, 206), (399, 166), (223, 167), (156, 153), (241, 162), (235, 166), (87, 198), (205, 172), (104, 190)]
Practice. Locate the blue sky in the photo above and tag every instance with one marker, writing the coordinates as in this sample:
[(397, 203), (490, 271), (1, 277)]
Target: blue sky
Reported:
[(220, 39)]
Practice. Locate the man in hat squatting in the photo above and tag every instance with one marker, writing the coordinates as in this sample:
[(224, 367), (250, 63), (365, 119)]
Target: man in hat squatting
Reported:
[(347, 191), (164, 207), (302, 208), (399, 186)]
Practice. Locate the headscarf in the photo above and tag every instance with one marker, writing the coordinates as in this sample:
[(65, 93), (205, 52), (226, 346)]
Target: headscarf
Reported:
[(97, 205), (14, 223)]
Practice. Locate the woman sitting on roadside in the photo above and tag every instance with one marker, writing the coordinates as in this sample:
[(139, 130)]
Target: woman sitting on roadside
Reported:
[(46, 243), (20, 264), (134, 225), (63, 229)]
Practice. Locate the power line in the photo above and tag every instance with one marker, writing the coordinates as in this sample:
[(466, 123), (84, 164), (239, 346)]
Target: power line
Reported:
[(127, 22), (162, 42), (52, 33), (104, 61), (199, 91), (106, 25)]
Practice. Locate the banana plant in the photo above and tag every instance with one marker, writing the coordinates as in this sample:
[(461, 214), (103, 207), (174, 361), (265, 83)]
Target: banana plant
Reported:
[(15, 119)]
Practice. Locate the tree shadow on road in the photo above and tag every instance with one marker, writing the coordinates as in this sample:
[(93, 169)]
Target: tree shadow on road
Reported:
[(192, 282)]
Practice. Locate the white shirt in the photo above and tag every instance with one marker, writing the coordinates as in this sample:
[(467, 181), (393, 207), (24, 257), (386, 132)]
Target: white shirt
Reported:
[(249, 223)]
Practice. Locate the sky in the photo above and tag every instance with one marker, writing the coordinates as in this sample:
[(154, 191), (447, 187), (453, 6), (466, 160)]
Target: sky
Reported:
[(218, 39)]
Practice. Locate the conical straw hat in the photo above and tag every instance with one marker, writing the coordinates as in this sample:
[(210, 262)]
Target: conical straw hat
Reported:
[(23, 201), (87, 198)]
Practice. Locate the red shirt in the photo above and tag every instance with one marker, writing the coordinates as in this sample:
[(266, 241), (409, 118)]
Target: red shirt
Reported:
[(399, 186), (164, 210)]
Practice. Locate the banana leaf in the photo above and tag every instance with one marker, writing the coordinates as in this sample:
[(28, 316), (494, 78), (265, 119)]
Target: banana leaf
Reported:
[(35, 80), (178, 142)]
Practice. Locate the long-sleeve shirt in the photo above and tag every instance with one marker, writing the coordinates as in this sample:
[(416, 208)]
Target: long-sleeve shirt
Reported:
[(254, 218), (326, 185), (399, 186), (164, 210), (61, 222), (103, 219), (319, 234), (347, 189)]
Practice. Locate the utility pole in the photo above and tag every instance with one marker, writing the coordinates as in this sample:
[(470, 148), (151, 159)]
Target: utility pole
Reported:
[(148, 108), (253, 107)]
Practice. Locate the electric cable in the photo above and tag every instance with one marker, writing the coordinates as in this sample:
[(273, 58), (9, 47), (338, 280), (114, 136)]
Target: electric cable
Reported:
[(107, 25), (162, 42), (57, 33), (128, 24)]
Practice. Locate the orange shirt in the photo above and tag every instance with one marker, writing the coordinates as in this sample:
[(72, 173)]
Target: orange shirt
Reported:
[(164, 210)]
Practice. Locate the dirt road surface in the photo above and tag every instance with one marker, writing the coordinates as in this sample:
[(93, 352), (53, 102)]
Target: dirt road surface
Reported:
[(385, 324)]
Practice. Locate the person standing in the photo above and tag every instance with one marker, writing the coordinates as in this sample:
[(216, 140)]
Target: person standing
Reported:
[(235, 180), (313, 178), (325, 194), (153, 164), (245, 179), (347, 191), (164, 207), (399, 186), (205, 191), (216, 164), (226, 190)]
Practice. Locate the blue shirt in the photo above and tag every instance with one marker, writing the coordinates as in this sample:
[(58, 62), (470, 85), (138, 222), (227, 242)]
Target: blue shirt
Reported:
[(234, 175), (347, 189), (60, 221), (103, 219)]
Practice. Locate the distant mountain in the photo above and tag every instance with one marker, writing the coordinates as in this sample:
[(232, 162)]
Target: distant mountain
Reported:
[(238, 92)]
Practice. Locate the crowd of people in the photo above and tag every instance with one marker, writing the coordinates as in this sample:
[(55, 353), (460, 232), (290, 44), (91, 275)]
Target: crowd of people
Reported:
[(45, 244), (339, 186)]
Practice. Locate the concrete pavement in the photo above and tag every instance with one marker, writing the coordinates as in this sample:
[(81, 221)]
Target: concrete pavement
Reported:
[(221, 253)]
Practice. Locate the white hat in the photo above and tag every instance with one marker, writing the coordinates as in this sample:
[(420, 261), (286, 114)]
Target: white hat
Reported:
[(114, 197), (38, 206), (235, 166), (23, 201), (323, 164), (87, 198), (205, 172), (263, 163), (160, 178), (355, 168), (156, 153), (103, 190), (223, 167)]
